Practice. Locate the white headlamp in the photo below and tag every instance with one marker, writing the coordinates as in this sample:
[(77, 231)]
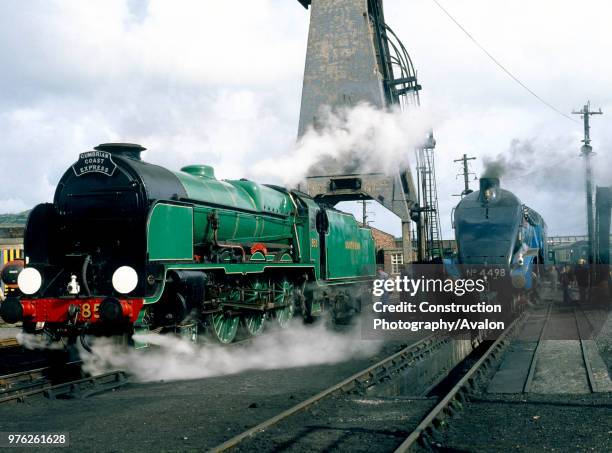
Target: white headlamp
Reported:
[(125, 279)]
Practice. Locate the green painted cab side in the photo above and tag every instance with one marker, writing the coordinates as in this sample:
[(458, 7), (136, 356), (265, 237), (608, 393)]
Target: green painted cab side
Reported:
[(170, 232), (368, 251), (349, 251), (310, 250)]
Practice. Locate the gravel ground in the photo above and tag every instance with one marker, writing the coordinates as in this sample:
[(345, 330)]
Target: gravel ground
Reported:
[(564, 423), (177, 416), (604, 339), (348, 423)]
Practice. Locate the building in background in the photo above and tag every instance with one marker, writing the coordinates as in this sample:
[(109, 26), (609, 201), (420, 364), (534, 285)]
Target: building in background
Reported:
[(11, 242), (389, 250), (11, 245)]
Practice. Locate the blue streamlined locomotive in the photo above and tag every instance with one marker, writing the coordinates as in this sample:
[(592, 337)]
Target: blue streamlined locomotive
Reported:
[(501, 239)]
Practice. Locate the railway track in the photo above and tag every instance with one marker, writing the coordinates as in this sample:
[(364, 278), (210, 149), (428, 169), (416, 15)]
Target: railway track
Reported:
[(44, 381), (452, 401), (573, 329), (18, 387), (585, 330), (427, 432), (376, 374), (527, 386), (15, 384)]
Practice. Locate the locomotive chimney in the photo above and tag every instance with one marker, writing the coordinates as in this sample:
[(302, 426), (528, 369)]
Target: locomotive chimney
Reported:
[(130, 150), (488, 189)]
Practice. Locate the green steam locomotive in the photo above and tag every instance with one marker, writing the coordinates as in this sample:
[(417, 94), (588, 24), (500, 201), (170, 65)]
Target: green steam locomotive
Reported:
[(128, 246)]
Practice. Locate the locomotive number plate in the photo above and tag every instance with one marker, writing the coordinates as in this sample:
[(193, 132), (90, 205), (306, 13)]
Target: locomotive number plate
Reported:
[(90, 310), (490, 273)]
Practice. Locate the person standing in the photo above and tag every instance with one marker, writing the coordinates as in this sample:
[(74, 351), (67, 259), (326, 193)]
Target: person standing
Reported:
[(566, 278), (382, 275), (554, 278), (583, 279)]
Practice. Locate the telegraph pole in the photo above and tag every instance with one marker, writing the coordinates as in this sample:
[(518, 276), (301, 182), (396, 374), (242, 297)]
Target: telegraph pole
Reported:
[(587, 150), (466, 173), (364, 213)]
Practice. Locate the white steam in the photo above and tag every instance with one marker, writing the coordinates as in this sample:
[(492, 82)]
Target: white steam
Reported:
[(40, 342), (358, 139), (173, 358)]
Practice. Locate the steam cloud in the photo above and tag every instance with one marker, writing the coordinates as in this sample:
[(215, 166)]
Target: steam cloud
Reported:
[(173, 358), (31, 341), (552, 165), (517, 160), (350, 140)]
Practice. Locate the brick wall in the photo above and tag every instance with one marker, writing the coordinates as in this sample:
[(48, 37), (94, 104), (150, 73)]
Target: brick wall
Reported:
[(383, 240)]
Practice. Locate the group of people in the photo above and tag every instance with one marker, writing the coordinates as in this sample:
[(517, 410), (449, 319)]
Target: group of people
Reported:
[(567, 275)]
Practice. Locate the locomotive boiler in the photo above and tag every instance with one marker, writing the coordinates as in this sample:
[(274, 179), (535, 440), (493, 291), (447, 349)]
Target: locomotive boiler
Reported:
[(128, 246)]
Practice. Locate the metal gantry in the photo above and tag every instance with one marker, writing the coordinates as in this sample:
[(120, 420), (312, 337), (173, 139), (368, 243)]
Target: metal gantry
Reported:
[(401, 88), (397, 69), (428, 230)]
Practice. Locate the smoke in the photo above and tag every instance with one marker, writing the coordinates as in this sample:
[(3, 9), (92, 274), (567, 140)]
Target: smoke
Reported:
[(553, 165), (173, 358), (516, 161), (360, 139)]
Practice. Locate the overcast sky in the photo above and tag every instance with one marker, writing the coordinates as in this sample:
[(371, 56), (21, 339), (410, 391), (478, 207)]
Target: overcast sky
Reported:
[(214, 82)]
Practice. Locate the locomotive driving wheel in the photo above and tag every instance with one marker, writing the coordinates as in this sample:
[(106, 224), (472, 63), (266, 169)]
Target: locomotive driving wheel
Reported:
[(254, 322), (223, 327), (283, 295)]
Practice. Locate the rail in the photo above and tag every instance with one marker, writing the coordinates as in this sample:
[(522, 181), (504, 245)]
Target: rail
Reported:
[(17, 387), (456, 395), (536, 353), (375, 373)]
